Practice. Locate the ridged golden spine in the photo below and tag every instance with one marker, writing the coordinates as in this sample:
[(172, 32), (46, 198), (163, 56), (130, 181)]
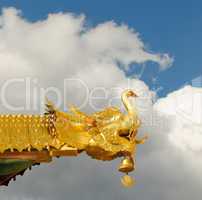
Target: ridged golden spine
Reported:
[(25, 132)]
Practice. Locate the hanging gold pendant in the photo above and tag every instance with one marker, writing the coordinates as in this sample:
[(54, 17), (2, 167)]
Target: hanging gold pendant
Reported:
[(127, 181)]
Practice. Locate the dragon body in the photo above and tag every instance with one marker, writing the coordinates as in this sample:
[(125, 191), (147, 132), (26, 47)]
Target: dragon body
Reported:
[(26, 140)]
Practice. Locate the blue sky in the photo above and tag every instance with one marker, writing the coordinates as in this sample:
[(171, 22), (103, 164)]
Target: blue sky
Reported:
[(171, 26)]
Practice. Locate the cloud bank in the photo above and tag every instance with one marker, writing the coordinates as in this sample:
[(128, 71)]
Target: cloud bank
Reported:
[(62, 47), (184, 107)]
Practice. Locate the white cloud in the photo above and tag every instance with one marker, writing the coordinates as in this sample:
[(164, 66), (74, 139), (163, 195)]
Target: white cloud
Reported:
[(184, 108), (64, 42), (62, 47)]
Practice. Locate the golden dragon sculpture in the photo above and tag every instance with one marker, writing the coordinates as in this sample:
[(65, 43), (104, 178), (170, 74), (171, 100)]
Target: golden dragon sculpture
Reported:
[(27, 140)]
